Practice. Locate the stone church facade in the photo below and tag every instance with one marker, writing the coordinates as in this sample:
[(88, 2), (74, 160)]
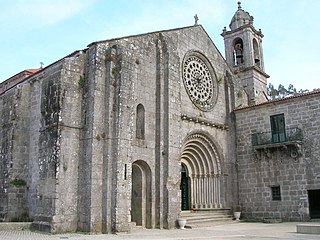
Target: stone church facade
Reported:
[(140, 128)]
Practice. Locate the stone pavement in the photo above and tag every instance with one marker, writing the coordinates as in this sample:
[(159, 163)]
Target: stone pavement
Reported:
[(222, 230)]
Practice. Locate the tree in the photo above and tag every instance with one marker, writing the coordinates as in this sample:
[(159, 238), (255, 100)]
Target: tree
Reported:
[(282, 92), (272, 92), (292, 89)]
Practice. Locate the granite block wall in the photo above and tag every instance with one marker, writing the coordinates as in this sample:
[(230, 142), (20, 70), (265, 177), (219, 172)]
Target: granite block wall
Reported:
[(74, 140), (294, 174)]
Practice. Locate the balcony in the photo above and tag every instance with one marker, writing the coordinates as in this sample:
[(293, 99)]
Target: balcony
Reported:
[(290, 139), (267, 138)]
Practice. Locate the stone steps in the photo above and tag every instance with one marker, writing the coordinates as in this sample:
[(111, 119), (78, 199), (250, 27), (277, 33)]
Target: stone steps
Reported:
[(203, 218), (309, 228), (14, 226)]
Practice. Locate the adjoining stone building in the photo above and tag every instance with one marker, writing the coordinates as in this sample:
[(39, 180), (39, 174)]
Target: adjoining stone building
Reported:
[(278, 155), (137, 129)]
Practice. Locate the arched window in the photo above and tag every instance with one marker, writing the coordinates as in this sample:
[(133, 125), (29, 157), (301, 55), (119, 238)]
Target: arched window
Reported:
[(256, 53), (140, 122), (238, 52)]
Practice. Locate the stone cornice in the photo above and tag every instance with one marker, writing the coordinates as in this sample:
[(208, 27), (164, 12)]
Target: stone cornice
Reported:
[(244, 69), (225, 32), (204, 122)]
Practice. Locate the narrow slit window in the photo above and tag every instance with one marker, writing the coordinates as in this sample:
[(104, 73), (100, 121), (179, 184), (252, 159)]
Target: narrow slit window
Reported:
[(140, 122)]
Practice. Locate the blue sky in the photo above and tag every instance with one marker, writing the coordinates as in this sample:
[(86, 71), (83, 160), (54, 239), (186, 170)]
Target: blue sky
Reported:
[(34, 31)]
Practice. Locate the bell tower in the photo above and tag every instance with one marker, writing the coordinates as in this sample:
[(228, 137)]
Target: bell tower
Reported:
[(243, 50)]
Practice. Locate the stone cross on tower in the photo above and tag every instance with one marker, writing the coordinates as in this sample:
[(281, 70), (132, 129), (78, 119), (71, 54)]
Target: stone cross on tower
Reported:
[(239, 5), (243, 45)]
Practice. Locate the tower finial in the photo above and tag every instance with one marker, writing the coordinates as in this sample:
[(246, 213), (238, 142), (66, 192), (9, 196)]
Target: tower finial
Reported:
[(239, 5)]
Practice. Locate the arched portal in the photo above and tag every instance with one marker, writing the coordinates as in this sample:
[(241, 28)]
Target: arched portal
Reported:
[(141, 196), (201, 158)]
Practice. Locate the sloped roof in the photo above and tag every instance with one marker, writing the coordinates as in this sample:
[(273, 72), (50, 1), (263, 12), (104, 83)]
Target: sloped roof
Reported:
[(16, 79), (281, 99), (26, 74), (144, 34), (32, 71), (163, 31)]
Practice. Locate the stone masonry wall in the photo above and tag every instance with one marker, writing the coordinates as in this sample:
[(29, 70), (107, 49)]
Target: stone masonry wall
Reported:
[(187, 40), (6, 109), (34, 130), (15, 153), (76, 140), (46, 146), (70, 124), (294, 175), (121, 74), (18, 206), (29, 153)]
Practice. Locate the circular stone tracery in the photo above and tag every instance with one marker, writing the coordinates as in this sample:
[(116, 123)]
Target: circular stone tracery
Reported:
[(199, 82)]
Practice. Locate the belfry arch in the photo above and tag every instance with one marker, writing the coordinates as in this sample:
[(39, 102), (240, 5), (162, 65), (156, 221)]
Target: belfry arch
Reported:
[(203, 162)]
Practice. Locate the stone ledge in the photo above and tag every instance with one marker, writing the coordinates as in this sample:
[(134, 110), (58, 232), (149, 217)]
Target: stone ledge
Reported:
[(272, 220), (205, 122), (14, 226), (41, 226), (310, 228)]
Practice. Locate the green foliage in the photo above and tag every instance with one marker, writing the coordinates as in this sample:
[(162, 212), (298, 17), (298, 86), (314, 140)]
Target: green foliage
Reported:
[(17, 182), (239, 93), (98, 137), (65, 167), (115, 71), (283, 92), (82, 81)]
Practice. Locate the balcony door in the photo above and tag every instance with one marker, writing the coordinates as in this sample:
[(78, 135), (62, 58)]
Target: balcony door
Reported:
[(278, 129)]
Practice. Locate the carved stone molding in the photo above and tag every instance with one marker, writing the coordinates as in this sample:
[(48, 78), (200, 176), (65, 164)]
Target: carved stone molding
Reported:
[(292, 149), (205, 122)]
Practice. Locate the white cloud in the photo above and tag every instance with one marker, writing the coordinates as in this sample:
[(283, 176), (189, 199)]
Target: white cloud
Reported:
[(38, 13)]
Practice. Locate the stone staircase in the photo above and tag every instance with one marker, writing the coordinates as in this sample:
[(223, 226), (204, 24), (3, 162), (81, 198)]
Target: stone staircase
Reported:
[(206, 217)]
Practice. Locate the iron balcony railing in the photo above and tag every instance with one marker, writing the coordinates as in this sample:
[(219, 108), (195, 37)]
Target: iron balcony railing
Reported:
[(266, 138)]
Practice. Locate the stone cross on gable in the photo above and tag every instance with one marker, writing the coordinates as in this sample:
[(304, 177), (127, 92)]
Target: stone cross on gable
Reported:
[(196, 19)]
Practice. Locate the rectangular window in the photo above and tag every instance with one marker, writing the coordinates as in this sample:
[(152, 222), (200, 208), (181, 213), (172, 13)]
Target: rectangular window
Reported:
[(278, 129), (276, 193)]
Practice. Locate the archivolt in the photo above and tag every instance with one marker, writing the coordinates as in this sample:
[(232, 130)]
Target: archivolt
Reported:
[(201, 157)]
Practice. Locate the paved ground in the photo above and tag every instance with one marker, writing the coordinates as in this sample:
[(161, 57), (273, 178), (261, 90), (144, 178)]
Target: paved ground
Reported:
[(232, 231)]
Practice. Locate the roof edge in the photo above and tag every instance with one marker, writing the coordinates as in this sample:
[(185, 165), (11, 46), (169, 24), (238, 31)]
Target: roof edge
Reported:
[(143, 34), (279, 100), (37, 72)]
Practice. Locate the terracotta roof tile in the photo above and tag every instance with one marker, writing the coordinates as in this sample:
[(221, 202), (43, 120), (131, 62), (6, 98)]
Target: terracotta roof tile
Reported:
[(33, 70)]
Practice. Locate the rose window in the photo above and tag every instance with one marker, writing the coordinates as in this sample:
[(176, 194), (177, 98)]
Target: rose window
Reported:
[(199, 83)]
